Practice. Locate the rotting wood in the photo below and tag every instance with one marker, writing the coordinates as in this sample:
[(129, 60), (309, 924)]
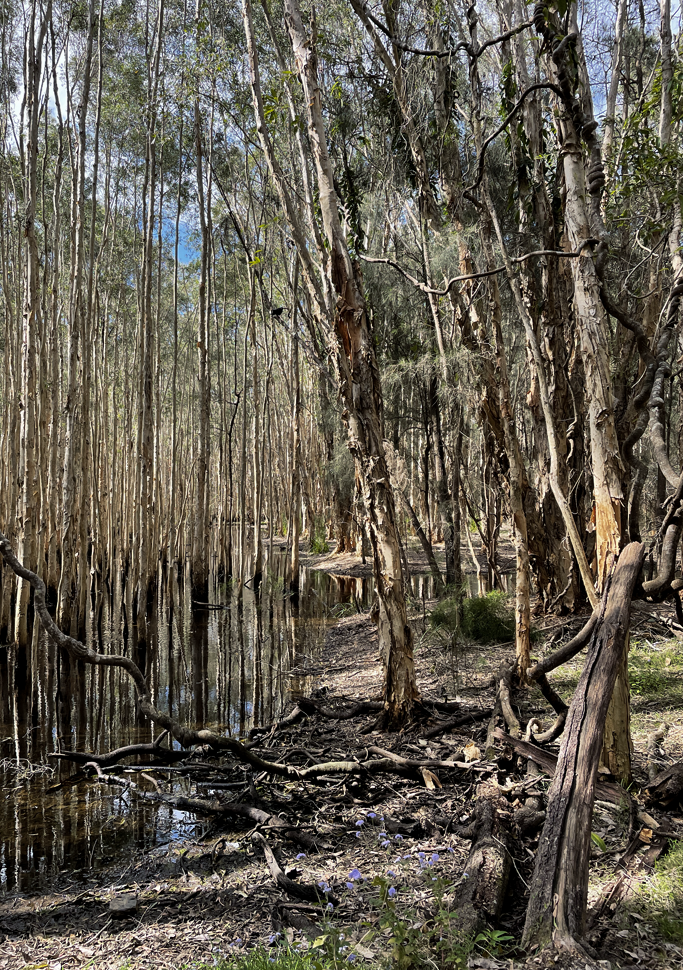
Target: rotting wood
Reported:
[(480, 894), (667, 787), (557, 908)]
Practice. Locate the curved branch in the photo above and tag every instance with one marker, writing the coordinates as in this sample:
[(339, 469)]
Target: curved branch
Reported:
[(560, 253), (540, 85), (566, 652), (449, 51)]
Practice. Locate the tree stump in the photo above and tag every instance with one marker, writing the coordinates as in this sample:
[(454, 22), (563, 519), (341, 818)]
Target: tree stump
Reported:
[(479, 897)]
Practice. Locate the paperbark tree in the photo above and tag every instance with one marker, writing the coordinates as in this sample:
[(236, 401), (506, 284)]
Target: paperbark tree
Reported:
[(351, 342), (349, 339)]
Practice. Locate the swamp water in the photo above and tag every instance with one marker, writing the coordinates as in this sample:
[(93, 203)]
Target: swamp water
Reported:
[(229, 669)]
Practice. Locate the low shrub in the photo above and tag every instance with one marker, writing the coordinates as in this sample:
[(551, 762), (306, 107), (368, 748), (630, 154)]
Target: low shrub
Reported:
[(486, 619), (319, 537)]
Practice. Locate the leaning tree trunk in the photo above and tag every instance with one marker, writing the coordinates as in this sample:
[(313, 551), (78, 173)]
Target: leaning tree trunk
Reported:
[(559, 888)]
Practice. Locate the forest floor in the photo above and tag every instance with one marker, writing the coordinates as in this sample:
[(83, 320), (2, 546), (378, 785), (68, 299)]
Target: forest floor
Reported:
[(199, 901)]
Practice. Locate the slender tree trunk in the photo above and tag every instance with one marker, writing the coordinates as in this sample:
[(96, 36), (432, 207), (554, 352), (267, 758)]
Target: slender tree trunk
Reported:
[(295, 517), (29, 492), (351, 343)]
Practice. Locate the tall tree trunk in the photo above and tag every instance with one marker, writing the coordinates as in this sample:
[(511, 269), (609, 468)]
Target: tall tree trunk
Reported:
[(200, 558), (352, 348), (295, 516), (29, 493), (145, 511)]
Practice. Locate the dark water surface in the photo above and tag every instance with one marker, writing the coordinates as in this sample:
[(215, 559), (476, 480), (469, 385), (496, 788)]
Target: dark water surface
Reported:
[(227, 669)]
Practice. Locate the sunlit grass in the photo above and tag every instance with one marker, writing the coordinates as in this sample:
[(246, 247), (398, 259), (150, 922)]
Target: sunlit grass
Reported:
[(659, 899)]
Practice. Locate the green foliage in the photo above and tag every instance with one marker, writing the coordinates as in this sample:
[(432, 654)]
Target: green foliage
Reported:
[(441, 943), (319, 537), (395, 936), (279, 958), (660, 898), (655, 675), (486, 619)]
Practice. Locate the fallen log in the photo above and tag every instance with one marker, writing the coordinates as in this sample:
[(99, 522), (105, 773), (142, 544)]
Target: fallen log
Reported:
[(667, 787), (556, 914), (479, 896)]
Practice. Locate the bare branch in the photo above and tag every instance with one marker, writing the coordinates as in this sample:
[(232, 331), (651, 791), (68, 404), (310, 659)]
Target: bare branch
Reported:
[(477, 276)]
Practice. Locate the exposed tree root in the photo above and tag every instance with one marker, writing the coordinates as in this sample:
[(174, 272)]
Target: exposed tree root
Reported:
[(161, 755), (456, 722), (311, 894), (294, 915)]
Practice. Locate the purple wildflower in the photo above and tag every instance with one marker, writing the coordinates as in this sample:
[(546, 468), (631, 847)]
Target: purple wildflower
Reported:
[(392, 891)]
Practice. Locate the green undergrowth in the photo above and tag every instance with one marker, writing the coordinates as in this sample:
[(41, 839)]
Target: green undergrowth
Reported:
[(319, 542), (485, 619), (655, 676), (391, 935), (659, 900)]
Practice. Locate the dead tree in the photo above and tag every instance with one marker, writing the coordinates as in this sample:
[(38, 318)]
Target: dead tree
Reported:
[(559, 889)]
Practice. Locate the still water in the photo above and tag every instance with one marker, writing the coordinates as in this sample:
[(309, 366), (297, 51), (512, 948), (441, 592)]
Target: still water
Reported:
[(229, 669)]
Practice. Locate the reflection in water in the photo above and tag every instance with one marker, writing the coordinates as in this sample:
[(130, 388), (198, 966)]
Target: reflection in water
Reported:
[(227, 668)]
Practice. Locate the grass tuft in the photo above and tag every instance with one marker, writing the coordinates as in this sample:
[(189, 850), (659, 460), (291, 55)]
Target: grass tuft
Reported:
[(660, 899)]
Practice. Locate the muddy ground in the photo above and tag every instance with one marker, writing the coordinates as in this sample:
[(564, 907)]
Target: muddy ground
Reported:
[(197, 901)]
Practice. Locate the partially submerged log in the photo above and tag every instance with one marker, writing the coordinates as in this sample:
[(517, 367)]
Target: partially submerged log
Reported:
[(557, 907)]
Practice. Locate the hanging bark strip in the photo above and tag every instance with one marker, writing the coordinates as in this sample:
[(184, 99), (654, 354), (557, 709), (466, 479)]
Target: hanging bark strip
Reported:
[(557, 907)]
